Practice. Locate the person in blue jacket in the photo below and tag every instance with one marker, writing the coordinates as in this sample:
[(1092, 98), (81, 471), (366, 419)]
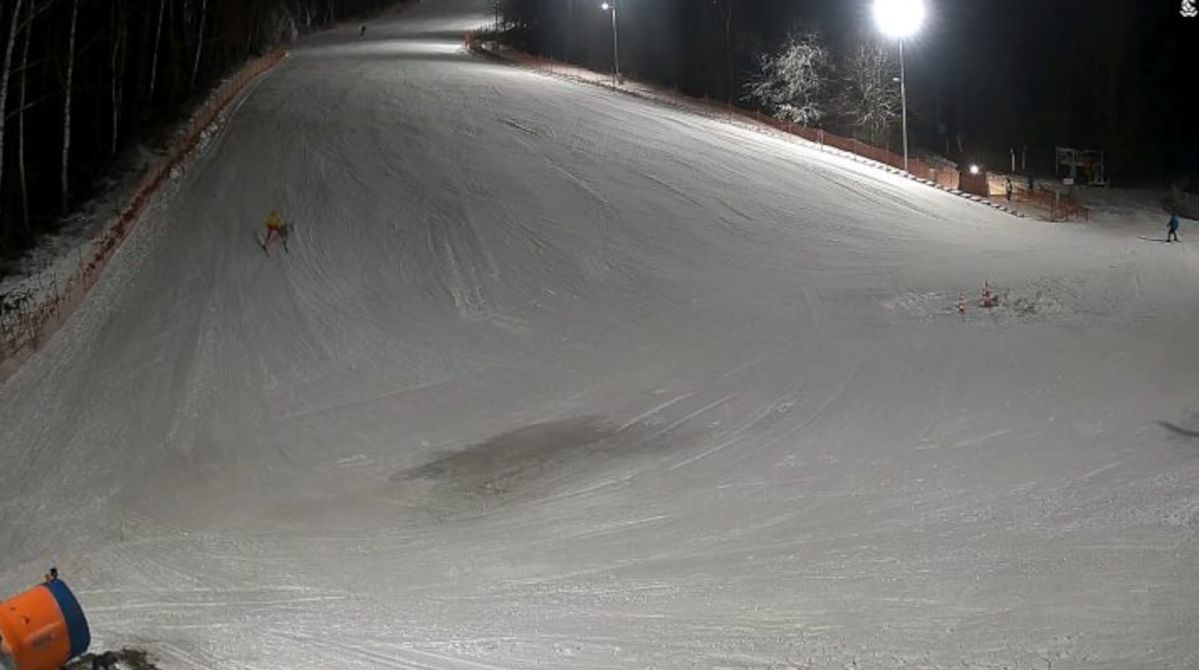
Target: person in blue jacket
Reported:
[(1172, 229)]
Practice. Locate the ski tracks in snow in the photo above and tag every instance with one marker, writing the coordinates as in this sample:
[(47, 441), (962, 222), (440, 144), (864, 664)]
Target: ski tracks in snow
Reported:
[(454, 241), (399, 656)]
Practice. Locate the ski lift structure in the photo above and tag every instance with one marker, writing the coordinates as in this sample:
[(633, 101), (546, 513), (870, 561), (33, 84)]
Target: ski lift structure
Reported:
[(1075, 164)]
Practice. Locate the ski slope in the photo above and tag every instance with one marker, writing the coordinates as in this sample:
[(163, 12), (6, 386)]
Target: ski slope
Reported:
[(557, 378)]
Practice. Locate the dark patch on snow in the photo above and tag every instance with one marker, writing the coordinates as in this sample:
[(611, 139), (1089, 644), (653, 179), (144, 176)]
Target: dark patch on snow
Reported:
[(528, 461), (484, 467)]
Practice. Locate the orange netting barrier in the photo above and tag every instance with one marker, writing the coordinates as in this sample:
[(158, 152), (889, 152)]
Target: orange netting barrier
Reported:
[(1060, 206), (946, 177), (24, 322)]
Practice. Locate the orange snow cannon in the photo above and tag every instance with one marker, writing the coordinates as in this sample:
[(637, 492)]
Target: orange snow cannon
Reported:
[(43, 628)]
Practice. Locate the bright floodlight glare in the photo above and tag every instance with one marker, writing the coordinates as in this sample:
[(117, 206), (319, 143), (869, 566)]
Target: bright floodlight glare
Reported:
[(605, 6), (899, 18), (973, 169)]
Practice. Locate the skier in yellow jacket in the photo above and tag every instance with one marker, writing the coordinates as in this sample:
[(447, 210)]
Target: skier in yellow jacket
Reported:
[(275, 228)]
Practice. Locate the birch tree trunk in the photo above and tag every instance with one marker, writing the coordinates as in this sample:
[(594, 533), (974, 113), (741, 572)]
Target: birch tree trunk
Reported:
[(162, 6), (200, 43), (12, 37), (730, 6), (118, 30), (66, 123), (21, 119)]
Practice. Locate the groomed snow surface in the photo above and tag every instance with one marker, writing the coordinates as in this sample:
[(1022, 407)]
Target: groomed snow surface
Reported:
[(557, 378)]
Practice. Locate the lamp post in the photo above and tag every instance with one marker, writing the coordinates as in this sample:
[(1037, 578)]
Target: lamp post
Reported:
[(611, 6), (900, 19)]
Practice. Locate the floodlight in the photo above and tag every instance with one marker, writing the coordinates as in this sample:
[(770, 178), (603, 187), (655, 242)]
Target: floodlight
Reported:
[(899, 18)]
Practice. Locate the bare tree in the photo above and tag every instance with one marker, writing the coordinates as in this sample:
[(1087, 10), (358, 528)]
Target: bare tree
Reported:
[(162, 7), (66, 123), (119, 32), (726, 11), (199, 42), (792, 82), (12, 38), (21, 117), (303, 10), (870, 98)]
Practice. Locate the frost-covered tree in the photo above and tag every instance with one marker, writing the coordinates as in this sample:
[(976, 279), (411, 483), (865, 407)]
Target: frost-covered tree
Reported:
[(792, 82), (869, 99)]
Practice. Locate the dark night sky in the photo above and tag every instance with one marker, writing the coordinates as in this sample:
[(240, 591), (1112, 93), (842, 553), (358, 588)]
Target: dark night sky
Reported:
[(1112, 75), (1117, 75)]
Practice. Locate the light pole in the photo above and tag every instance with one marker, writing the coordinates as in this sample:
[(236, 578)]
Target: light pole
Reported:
[(900, 19), (611, 6)]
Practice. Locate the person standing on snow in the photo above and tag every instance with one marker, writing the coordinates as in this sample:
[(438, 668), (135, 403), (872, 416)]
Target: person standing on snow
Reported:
[(274, 228), (1172, 229)]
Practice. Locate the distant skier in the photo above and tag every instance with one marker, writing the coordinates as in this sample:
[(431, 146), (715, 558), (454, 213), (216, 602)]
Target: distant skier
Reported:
[(1172, 229), (1007, 188), (362, 31), (275, 228)]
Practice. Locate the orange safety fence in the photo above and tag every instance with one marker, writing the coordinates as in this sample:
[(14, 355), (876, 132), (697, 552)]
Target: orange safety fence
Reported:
[(1060, 206), (26, 321), (944, 176)]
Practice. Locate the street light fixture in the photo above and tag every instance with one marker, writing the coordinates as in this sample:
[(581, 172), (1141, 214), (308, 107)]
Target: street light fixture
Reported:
[(900, 19), (611, 6)]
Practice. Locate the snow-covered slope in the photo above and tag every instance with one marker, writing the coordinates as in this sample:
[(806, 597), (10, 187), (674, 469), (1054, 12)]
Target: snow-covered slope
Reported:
[(555, 378)]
